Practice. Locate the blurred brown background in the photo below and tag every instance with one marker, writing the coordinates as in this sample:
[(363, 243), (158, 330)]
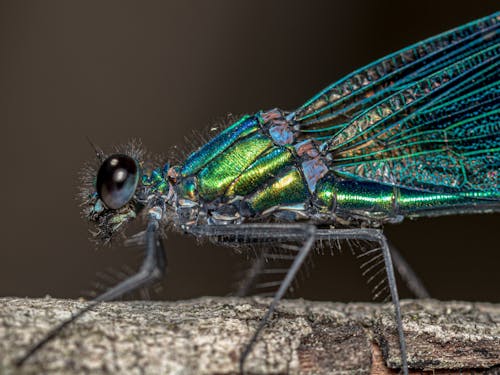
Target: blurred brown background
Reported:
[(116, 70)]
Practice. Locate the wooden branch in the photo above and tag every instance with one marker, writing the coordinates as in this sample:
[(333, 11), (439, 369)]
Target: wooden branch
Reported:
[(206, 336)]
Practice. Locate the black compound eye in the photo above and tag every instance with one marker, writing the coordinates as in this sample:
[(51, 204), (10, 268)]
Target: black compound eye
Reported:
[(116, 180)]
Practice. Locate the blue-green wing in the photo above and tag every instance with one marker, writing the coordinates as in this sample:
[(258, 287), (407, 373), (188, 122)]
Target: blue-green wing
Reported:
[(426, 117)]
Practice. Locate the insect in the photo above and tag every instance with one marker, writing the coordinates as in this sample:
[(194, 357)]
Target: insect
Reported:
[(414, 134)]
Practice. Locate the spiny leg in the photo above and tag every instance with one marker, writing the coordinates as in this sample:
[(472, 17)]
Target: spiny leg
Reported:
[(152, 268), (308, 234), (375, 235), (408, 275), (266, 232)]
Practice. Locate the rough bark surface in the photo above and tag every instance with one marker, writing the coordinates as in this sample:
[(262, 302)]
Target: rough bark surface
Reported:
[(207, 335)]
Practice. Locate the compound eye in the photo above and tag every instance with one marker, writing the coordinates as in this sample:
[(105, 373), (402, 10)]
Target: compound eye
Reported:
[(117, 179)]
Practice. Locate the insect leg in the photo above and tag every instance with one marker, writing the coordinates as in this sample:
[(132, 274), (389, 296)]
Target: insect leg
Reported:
[(308, 234), (152, 268), (375, 235), (407, 274), (277, 232)]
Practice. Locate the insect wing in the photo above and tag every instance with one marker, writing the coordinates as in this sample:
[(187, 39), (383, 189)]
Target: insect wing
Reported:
[(426, 117)]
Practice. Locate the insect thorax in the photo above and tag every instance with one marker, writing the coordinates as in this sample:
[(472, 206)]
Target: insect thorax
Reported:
[(252, 171)]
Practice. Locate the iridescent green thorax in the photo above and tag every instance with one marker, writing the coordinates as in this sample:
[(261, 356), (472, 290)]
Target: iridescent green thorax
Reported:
[(197, 160), (244, 163), (289, 189), (215, 178), (270, 163)]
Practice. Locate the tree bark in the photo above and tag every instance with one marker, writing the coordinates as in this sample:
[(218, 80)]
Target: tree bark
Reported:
[(207, 335)]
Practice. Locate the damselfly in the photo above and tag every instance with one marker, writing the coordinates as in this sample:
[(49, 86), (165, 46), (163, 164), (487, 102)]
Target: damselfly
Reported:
[(414, 134)]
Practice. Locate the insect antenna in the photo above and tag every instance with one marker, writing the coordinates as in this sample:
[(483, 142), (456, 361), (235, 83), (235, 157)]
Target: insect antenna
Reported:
[(98, 151)]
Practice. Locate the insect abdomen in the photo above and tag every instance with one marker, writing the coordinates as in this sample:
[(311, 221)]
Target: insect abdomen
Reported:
[(377, 200)]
